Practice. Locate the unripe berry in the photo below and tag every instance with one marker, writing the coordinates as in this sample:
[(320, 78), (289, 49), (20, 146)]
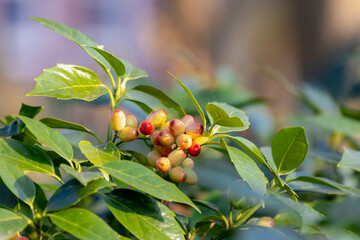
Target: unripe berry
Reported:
[(158, 118), (164, 151), (178, 174), (187, 119), (184, 141), (176, 157), (191, 178), (153, 156), (265, 222), (166, 138), (117, 120), (188, 163), (147, 127), (128, 134), (176, 127), (165, 126), (163, 164), (155, 138), (194, 130), (131, 120), (194, 150)]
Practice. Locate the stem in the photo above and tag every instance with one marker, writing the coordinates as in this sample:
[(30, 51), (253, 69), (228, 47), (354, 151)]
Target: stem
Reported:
[(118, 89), (230, 215), (243, 217), (111, 79), (111, 98), (115, 136)]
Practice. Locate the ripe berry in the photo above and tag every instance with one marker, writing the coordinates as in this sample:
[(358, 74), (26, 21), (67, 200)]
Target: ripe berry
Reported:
[(166, 138), (192, 178), (158, 118), (265, 222), (163, 164), (117, 120), (188, 163), (178, 174), (152, 157), (147, 127), (131, 120), (164, 151), (194, 130), (183, 141), (187, 119), (176, 157), (194, 150), (128, 134), (176, 127), (155, 138)]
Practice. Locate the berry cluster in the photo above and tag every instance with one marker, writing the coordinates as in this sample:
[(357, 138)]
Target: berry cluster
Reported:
[(172, 142)]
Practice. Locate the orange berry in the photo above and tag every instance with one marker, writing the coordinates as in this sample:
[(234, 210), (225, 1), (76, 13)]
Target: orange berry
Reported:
[(163, 164), (183, 141)]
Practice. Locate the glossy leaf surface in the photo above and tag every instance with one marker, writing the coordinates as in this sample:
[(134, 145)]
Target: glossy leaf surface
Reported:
[(10, 223)]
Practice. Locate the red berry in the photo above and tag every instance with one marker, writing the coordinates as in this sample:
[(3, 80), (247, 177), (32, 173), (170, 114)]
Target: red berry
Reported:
[(184, 141), (163, 164), (131, 120), (128, 134), (194, 150), (117, 120), (194, 130), (176, 127), (155, 138), (187, 119), (178, 174), (147, 127), (166, 138), (158, 118)]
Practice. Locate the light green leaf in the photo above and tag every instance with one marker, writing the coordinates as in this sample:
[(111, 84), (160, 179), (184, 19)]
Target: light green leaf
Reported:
[(83, 224), (76, 36), (10, 223), (141, 105), (146, 180), (248, 170), (50, 137), (162, 97), (350, 159), (83, 177), (132, 72), (144, 217), (115, 63), (66, 81), (226, 117), (58, 123), (193, 99), (17, 182), (289, 148)]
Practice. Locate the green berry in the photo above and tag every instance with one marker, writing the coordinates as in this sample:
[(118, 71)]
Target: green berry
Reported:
[(176, 157), (191, 178), (153, 156), (178, 174), (131, 120), (128, 134), (188, 163), (158, 118), (117, 120)]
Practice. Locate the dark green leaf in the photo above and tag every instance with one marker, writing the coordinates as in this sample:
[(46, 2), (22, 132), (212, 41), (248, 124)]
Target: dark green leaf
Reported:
[(132, 72), (210, 206), (10, 223), (30, 111), (146, 180), (350, 159), (141, 105), (138, 156), (50, 137), (41, 201), (58, 123), (162, 97), (66, 81), (72, 192), (18, 183), (248, 170), (83, 177), (289, 148), (83, 224), (193, 99), (228, 118), (143, 216), (76, 36), (10, 130), (115, 63)]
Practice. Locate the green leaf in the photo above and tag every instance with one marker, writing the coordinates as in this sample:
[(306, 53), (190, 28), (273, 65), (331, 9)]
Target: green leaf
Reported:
[(30, 111), (10, 223), (76, 36), (248, 170), (144, 217), (25, 157), (101, 154), (83, 177), (289, 148), (192, 98), (350, 159), (83, 224), (162, 97), (10, 130), (73, 192), (132, 72), (66, 81), (115, 63), (147, 181), (58, 123), (18, 183), (50, 137), (141, 105), (226, 117), (210, 206), (288, 219)]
